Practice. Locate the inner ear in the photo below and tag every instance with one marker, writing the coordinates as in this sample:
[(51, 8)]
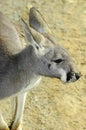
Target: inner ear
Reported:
[(34, 37), (37, 21)]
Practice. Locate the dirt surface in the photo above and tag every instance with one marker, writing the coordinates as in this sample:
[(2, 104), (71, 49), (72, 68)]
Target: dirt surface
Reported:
[(54, 105)]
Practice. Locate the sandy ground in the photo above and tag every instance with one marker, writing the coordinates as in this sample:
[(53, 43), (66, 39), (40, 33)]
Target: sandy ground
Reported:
[(54, 105)]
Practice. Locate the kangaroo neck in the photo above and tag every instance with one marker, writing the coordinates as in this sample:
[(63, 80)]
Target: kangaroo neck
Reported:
[(27, 62)]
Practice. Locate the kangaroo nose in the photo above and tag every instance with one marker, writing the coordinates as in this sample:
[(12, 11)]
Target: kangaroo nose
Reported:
[(71, 76), (77, 75)]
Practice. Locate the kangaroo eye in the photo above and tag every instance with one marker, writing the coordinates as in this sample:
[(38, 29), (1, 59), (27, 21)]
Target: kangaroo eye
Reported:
[(58, 60)]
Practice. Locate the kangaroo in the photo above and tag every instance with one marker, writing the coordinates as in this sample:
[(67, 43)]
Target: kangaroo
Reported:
[(22, 65)]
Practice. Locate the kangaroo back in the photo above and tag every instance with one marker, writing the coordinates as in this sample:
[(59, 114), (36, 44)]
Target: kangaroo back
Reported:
[(10, 43), (9, 37)]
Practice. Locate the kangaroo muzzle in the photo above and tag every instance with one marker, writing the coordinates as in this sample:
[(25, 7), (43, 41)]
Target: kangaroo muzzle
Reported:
[(71, 76)]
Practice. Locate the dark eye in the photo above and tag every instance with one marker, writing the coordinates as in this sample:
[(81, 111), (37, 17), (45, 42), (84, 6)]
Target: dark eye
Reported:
[(58, 60)]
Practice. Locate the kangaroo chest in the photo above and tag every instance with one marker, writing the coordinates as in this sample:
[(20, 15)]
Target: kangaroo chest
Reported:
[(31, 83)]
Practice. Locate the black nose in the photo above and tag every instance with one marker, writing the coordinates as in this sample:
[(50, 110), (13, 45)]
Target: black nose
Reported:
[(73, 76), (69, 76), (77, 75)]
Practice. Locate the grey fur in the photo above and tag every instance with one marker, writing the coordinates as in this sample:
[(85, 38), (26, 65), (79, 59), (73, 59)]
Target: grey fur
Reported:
[(21, 67)]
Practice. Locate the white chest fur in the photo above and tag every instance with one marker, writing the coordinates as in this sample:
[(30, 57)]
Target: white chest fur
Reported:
[(32, 84)]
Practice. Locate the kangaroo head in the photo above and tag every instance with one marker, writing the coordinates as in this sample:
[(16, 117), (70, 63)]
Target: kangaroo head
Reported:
[(52, 59)]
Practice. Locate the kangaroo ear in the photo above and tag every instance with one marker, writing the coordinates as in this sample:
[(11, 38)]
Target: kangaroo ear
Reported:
[(34, 37), (28, 34), (37, 22)]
